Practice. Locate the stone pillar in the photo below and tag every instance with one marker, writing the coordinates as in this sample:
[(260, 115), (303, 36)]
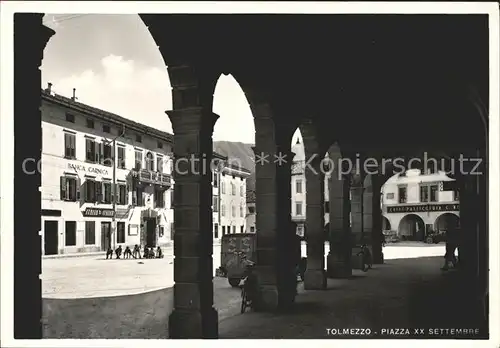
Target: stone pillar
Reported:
[(194, 315), (356, 219), (30, 39), (372, 217), (339, 257), (273, 219), (315, 276)]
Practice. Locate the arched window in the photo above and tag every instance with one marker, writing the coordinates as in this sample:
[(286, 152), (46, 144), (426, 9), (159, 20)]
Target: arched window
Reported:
[(150, 161)]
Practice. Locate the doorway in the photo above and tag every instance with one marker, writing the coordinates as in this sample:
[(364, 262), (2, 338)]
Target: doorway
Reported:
[(151, 232), (51, 237), (105, 235)]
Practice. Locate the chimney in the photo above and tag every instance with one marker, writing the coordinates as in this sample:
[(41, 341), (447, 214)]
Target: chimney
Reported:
[(49, 88), (73, 98)]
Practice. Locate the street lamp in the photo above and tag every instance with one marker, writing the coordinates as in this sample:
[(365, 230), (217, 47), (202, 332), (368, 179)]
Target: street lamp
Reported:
[(113, 186)]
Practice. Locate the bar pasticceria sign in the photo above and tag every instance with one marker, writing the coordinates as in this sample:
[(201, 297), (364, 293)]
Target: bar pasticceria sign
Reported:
[(423, 208)]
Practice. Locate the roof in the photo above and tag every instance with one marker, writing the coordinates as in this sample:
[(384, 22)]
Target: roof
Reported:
[(110, 117)]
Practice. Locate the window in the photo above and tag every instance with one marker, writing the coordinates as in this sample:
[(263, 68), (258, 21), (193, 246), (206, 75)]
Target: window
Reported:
[(216, 231), (160, 198), (241, 229), (215, 204), (298, 208), (90, 150), (107, 192), (107, 157), (402, 194), (424, 193), (122, 194), (121, 157), (434, 193), (160, 145), (93, 191), (233, 211), (106, 128), (251, 210), (214, 179), (159, 163), (228, 229), (120, 232), (327, 208), (138, 138), (90, 123), (161, 231), (70, 189), (298, 186), (138, 159), (222, 187), (242, 210), (233, 189), (70, 118), (150, 162), (223, 210), (89, 232), (390, 195), (223, 230), (457, 195), (69, 146), (137, 198), (252, 228), (70, 233), (234, 229)]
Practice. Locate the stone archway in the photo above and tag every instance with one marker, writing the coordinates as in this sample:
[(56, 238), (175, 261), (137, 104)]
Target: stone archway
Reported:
[(386, 224), (446, 221), (411, 227)]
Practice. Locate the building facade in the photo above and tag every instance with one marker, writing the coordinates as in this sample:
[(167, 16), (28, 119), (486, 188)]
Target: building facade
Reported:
[(78, 154), (251, 218), (80, 146), (415, 204), (298, 182), (232, 193)]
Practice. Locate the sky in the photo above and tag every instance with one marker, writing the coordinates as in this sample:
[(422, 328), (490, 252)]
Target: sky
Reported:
[(115, 65)]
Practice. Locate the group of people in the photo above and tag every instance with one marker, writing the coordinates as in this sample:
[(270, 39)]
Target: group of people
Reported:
[(148, 253)]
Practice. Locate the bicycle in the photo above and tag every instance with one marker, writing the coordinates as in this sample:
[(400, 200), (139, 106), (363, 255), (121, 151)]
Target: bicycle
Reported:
[(246, 301), (366, 257)]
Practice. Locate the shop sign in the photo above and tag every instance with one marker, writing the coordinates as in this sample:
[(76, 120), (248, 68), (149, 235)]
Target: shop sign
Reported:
[(423, 208), (87, 169), (98, 212)]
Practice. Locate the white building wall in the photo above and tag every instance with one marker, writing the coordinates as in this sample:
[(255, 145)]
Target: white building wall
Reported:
[(53, 165), (412, 182), (235, 222)]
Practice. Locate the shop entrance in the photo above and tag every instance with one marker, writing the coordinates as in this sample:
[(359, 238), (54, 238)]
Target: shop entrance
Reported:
[(150, 232), (105, 235), (50, 234)]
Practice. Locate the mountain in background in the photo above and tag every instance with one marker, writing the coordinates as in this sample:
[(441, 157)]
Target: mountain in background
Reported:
[(239, 153)]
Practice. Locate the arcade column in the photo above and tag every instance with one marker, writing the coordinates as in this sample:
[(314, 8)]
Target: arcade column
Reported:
[(315, 276), (356, 217), (372, 217), (339, 257), (194, 315), (30, 39), (274, 269)]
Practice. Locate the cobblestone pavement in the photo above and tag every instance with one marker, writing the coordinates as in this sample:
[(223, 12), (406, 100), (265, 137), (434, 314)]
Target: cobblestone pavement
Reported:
[(94, 276)]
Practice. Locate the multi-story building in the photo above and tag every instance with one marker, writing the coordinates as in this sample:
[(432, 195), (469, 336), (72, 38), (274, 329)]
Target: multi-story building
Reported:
[(250, 217), (80, 146), (414, 204), (298, 196), (233, 198)]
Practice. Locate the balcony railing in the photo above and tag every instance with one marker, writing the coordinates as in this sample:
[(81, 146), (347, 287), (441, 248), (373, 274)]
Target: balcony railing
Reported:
[(151, 177)]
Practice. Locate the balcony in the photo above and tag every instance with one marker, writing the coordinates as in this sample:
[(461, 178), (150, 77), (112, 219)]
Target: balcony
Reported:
[(150, 177)]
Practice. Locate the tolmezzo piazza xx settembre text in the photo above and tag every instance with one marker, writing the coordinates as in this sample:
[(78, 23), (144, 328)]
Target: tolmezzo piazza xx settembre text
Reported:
[(402, 332)]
